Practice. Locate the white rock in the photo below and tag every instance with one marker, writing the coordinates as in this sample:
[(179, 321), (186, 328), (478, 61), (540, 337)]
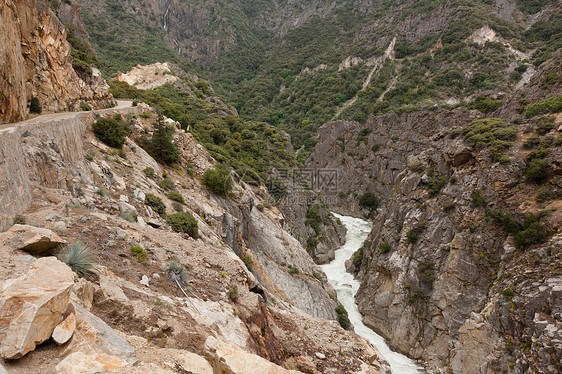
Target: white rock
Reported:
[(144, 281), (321, 356)]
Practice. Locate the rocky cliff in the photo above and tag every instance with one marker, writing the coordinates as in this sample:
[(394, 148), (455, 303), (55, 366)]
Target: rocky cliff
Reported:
[(36, 62), (461, 268), (272, 312)]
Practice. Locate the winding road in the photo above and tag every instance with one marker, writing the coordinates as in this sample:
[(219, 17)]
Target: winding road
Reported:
[(121, 104)]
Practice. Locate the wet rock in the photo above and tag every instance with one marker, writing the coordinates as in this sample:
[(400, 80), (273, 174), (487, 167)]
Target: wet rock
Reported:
[(32, 239), (33, 305)]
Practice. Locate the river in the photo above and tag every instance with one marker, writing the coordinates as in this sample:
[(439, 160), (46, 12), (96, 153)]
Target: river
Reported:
[(346, 287)]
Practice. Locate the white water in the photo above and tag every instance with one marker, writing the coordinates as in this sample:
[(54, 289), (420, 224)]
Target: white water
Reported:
[(346, 287)]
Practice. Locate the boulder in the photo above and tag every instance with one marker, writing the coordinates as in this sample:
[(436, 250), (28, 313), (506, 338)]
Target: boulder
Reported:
[(32, 239), (94, 336), (83, 363), (63, 332), (33, 305), (125, 207), (230, 359)]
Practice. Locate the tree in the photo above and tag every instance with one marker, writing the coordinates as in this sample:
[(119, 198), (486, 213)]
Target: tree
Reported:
[(161, 146)]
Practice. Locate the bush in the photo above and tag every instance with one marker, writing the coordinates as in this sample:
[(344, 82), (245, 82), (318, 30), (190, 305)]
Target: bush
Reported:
[(176, 196), (486, 105), (477, 199), (85, 107), (183, 222), (218, 180), (545, 125), (161, 146), (385, 247), (155, 203), (449, 206), (78, 256), (19, 220), (311, 243), (417, 167), (110, 132), (536, 171), (357, 258), (492, 133), (551, 105), (35, 106), (233, 293), (127, 217), (166, 184), (314, 219), (507, 293), (139, 253), (369, 200), (149, 172), (177, 273), (412, 236), (532, 142), (528, 233), (247, 260), (343, 318), (435, 185)]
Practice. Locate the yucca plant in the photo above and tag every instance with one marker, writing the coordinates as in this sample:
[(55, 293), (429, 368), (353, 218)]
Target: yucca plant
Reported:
[(78, 256), (177, 273)]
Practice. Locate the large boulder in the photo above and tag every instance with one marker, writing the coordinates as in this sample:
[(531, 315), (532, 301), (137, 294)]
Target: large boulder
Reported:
[(230, 359), (33, 305), (32, 239)]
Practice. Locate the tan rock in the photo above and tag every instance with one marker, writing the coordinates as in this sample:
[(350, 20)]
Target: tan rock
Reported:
[(230, 359), (32, 239), (83, 363), (33, 305), (64, 331)]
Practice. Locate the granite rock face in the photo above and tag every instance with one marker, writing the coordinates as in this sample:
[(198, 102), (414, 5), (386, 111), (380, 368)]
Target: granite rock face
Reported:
[(32, 306), (36, 62)]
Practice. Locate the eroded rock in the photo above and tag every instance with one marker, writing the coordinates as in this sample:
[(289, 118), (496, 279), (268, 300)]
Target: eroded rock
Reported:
[(33, 305), (63, 332), (32, 239)]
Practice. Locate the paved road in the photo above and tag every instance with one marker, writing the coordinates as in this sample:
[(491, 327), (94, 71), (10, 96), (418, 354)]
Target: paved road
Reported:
[(121, 104)]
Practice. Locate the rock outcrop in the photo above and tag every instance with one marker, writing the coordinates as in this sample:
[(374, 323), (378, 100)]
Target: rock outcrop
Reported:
[(32, 239), (32, 306), (36, 62), (442, 281)]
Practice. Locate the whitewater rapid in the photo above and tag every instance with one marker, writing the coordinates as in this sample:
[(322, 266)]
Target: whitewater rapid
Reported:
[(346, 287)]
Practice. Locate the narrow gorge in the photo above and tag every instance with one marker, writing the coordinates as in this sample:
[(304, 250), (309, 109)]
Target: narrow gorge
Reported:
[(249, 187)]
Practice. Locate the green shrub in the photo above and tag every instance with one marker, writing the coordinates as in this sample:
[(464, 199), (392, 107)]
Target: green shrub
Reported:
[(218, 180), (166, 184), (435, 185), (139, 253), (545, 124), (477, 199), (412, 236), (417, 167), (357, 258), (35, 106), (448, 206), (536, 171), (532, 142), (102, 192), (294, 270), (155, 203), (343, 318), (247, 260), (19, 220), (110, 132), (547, 193), (385, 247), (78, 256), (311, 243), (375, 148), (492, 133), (145, 115), (314, 219), (524, 235), (486, 105), (85, 107), (551, 105), (183, 222), (176, 196), (507, 293), (233, 293), (90, 156), (149, 172), (558, 141), (369, 200), (127, 217), (177, 272), (260, 207)]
